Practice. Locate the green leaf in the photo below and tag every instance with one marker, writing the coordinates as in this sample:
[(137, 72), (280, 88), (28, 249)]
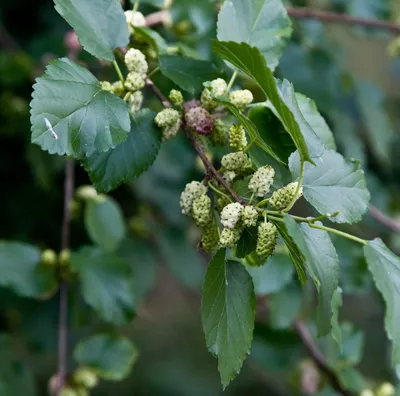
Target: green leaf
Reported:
[(260, 23), (251, 129), (15, 376), (130, 158), (228, 314), (334, 184), (380, 132), (21, 271), (311, 114), (284, 306), (188, 73), (336, 303), (247, 242), (281, 95), (352, 380), (273, 276), (181, 257), (272, 133), (107, 284), (385, 268), (104, 223), (153, 38), (143, 261), (84, 118), (322, 264), (295, 254), (100, 24), (110, 356)]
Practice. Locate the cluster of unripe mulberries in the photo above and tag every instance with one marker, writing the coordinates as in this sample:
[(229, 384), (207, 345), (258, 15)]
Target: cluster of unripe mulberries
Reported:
[(203, 117)]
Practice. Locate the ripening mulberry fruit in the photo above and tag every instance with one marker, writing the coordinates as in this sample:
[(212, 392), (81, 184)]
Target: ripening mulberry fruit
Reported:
[(241, 99), (136, 62), (176, 97), (260, 183), (199, 120), (266, 241), (201, 210), (210, 237), (229, 237), (250, 216), (218, 134), (213, 90), (238, 161), (192, 191), (237, 137), (283, 197), (231, 214), (134, 81)]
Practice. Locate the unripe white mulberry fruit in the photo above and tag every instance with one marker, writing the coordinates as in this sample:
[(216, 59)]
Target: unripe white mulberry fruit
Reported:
[(135, 18), (238, 161), (237, 137), (49, 258), (218, 134), (283, 197), (266, 241), (231, 214), (167, 117), (260, 183), (250, 216), (210, 237), (134, 81), (386, 389), (229, 237), (192, 191), (136, 62), (214, 89), (85, 377), (229, 176), (175, 97), (106, 86), (135, 101), (201, 210), (118, 89), (241, 99), (199, 120)]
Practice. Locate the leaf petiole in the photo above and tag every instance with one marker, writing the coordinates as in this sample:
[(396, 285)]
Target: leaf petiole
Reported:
[(219, 191), (118, 70), (231, 81), (299, 184)]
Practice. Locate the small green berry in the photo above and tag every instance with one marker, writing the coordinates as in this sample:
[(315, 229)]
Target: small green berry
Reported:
[(49, 258), (261, 181), (229, 237), (106, 86), (86, 193), (386, 389), (266, 241), (192, 191), (250, 216), (241, 99), (64, 257), (134, 81), (118, 89), (167, 118), (85, 377), (214, 89), (237, 137), (231, 214), (218, 134), (283, 197), (136, 62), (238, 161), (201, 210), (176, 97)]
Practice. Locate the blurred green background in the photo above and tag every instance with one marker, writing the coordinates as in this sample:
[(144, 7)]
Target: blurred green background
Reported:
[(355, 84)]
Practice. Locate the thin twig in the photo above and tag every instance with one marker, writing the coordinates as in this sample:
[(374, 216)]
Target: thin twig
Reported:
[(165, 102), (63, 285), (344, 19), (319, 358), (385, 220), (307, 13)]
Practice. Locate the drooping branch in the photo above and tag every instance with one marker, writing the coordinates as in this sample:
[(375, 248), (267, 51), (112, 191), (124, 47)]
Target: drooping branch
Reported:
[(318, 358), (385, 220), (63, 284)]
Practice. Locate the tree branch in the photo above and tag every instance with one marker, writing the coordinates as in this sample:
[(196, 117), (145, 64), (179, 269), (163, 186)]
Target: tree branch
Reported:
[(306, 13), (63, 285), (210, 170), (385, 220), (319, 358), (343, 19)]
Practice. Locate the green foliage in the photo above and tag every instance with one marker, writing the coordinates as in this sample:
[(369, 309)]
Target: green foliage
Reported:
[(110, 357), (130, 158), (100, 24), (107, 284), (228, 311), (84, 118), (261, 23)]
